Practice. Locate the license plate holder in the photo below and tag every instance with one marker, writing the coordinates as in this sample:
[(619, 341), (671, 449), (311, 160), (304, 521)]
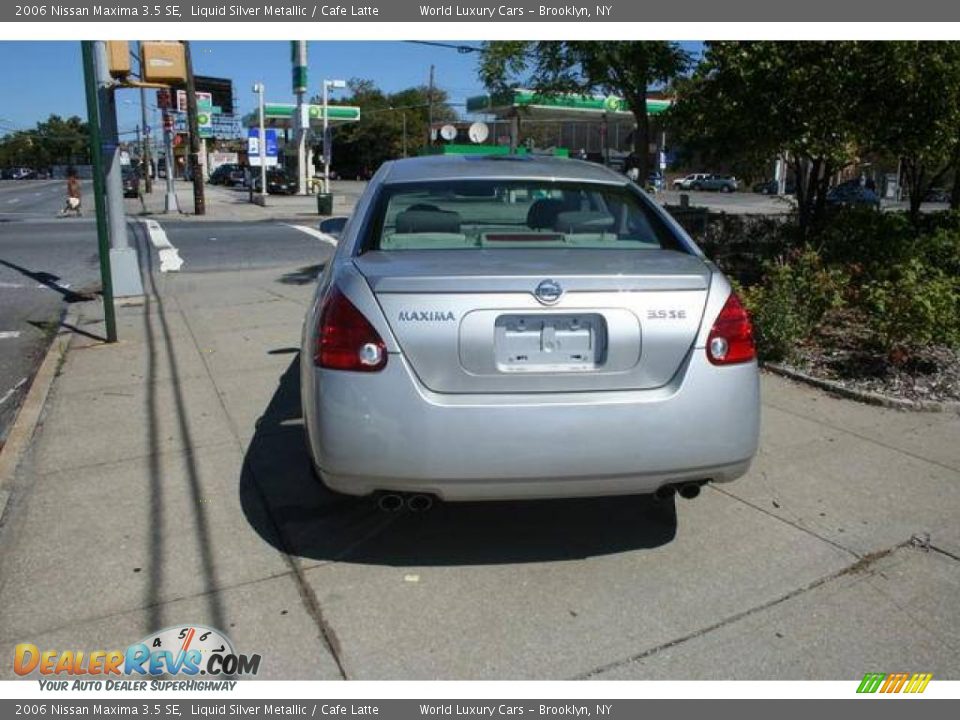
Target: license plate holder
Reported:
[(550, 342)]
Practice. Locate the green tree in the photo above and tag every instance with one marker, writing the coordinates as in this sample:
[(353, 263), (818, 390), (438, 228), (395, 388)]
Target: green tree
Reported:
[(379, 135), (757, 100), (55, 141), (625, 68), (912, 110)]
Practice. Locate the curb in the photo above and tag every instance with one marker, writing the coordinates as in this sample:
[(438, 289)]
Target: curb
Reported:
[(28, 417), (864, 396)]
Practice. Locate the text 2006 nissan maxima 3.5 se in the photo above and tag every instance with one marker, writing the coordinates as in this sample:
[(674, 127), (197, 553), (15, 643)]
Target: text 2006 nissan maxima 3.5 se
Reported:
[(509, 327)]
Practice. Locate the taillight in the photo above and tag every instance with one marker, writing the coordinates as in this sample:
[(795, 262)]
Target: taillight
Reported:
[(731, 337), (345, 338)]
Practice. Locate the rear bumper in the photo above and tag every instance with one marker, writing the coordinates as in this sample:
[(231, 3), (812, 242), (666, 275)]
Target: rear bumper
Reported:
[(384, 431)]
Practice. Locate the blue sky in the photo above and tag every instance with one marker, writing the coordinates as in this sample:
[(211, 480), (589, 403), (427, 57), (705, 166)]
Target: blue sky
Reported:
[(41, 78), (49, 78)]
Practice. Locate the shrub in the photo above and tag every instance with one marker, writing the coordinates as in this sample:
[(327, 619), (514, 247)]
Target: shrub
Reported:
[(786, 307), (916, 304), (866, 241)]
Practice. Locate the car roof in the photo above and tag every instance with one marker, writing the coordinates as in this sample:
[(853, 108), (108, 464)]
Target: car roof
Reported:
[(478, 167)]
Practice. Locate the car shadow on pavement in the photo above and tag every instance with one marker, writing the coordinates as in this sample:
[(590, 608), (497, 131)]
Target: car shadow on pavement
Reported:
[(285, 503)]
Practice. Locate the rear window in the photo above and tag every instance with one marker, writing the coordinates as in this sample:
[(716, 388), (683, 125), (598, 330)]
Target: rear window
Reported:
[(484, 214)]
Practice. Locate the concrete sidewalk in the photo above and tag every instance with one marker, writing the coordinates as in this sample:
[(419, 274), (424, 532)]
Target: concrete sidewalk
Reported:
[(169, 484), (233, 204)]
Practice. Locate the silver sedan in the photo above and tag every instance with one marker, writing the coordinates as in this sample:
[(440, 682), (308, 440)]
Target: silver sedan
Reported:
[(506, 327)]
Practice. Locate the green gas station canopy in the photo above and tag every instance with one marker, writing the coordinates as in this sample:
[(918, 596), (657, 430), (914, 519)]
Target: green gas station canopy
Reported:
[(561, 106), (282, 114)]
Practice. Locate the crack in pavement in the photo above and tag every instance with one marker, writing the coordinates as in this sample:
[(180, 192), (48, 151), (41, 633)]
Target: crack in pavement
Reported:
[(861, 565)]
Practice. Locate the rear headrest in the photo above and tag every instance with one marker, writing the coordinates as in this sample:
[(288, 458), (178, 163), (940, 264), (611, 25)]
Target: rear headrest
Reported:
[(583, 221), (543, 213), (428, 221)]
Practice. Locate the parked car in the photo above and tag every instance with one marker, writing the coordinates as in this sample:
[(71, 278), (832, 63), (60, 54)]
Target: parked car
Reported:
[(852, 194), (221, 175), (720, 183), (770, 187), (131, 182), (23, 173), (278, 183), (937, 195), (655, 182), (477, 336), (687, 183)]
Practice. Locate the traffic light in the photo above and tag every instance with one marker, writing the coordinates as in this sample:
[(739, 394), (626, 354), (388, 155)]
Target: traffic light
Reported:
[(118, 58), (162, 62)]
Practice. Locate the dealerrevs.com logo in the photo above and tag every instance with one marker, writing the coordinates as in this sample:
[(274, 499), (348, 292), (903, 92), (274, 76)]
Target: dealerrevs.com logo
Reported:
[(182, 652)]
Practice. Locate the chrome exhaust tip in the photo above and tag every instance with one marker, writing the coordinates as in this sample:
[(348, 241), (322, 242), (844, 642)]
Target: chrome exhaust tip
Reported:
[(689, 490), (419, 503), (390, 502)]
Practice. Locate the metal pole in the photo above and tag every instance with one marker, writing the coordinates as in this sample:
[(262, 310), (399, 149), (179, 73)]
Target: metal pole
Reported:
[(124, 264), (171, 205), (326, 140), (404, 133), (298, 55), (103, 241), (430, 109), (199, 202), (263, 148), (147, 181)]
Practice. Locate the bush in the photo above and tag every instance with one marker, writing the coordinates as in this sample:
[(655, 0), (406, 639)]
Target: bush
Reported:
[(866, 241), (916, 304), (792, 299)]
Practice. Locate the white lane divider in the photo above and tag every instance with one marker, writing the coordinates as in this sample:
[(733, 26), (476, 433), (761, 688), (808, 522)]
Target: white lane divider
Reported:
[(9, 334), (9, 393), (10, 285), (13, 200), (313, 232), (170, 260)]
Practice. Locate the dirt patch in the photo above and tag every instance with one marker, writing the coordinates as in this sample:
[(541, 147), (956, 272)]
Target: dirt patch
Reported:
[(841, 351)]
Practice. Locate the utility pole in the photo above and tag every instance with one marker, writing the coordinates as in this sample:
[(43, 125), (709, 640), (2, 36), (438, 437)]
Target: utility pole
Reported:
[(170, 204), (298, 57), (259, 89), (124, 264), (199, 202), (404, 113), (103, 240), (145, 153), (430, 110)]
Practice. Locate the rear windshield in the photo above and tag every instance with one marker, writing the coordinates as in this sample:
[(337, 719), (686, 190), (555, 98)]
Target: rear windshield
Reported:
[(478, 214)]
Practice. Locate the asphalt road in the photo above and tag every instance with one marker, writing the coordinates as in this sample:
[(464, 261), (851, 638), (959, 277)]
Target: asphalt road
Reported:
[(48, 262), (45, 262)]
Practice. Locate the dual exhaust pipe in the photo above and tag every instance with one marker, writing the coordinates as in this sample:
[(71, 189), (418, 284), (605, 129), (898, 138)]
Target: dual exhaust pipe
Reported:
[(420, 502), (687, 490), (395, 502)]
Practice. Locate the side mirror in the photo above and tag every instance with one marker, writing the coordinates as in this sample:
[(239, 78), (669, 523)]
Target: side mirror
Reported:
[(333, 226)]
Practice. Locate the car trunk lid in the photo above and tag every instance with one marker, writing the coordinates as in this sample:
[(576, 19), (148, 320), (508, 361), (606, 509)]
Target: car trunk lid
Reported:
[(469, 321)]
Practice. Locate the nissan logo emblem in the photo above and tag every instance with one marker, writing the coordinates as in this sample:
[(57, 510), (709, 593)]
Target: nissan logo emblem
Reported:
[(548, 292)]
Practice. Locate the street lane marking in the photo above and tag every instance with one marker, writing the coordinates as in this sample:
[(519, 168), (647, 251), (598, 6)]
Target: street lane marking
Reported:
[(9, 334), (14, 200), (9, 393), (313, 232), (10, 285), (170, 260)]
